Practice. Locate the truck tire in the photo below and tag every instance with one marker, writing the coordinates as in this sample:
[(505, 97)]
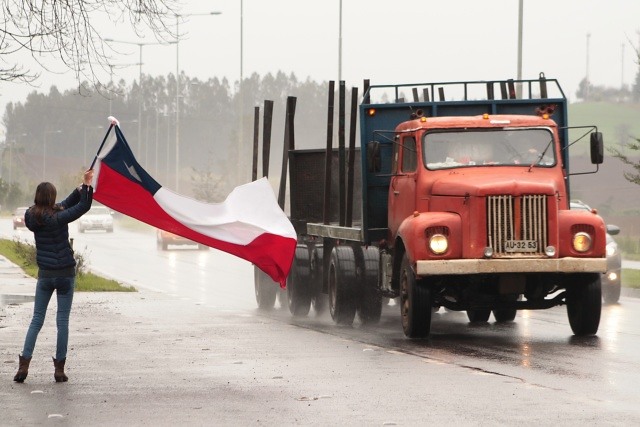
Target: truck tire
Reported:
[(342, 285), (415, 303), (370, 301), (478, 316), (611, 294), (299, 283), (318, 299), (505, 315), (584, 303), (265, 289)]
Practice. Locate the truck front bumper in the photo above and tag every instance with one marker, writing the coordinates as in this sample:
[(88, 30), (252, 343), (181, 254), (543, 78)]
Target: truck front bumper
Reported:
[(489, 266)]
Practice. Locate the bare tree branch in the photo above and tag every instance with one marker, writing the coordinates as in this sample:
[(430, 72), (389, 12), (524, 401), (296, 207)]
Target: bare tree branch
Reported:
[(64, 30), (635, 146)]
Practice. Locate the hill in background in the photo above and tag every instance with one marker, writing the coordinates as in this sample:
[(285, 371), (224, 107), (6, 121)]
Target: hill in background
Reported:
[(616, 199)]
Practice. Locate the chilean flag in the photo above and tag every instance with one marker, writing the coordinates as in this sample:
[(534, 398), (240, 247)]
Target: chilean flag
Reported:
[(248, 224)]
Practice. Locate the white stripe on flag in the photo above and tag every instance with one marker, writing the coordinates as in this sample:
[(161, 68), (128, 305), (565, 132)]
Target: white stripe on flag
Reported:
[(249, 211)]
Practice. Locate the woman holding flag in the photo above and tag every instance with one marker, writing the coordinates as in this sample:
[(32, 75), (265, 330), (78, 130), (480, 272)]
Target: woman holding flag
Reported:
[(56, 266)]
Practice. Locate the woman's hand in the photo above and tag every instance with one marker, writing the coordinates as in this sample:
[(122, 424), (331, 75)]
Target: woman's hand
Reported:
[(88, 177)]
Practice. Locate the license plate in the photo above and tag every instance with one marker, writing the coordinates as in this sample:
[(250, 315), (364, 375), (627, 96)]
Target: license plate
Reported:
[(521, 246)]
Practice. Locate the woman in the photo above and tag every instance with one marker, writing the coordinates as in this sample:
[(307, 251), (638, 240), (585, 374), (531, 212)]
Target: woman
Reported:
[(56, 266)]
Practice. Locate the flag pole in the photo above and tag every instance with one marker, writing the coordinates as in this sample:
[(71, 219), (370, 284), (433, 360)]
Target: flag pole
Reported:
[(102, 144)]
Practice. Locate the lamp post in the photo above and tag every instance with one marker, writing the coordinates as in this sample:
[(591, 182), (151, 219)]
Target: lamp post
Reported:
[(44, 151), (140, 46), (13, 142), (587, 94), (178, 16), (111, 67), (340, 44), (519, 67), (84, 156)]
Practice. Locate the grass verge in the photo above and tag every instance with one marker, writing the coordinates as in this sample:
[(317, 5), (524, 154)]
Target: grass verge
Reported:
[(631, 278), (23, 255)]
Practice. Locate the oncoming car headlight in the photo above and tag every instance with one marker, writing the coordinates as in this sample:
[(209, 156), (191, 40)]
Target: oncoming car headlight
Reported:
[(612, 248), (581, 241), (438, 244)]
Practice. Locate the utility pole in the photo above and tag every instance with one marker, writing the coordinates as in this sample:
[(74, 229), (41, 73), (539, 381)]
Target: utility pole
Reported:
[(588, 81), (519, 67)]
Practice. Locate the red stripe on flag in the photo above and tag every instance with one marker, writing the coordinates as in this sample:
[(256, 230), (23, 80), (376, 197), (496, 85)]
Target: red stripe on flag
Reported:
[(271, 253)]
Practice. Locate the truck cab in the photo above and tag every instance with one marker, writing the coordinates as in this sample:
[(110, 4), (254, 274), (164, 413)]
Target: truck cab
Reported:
[(478, 214)]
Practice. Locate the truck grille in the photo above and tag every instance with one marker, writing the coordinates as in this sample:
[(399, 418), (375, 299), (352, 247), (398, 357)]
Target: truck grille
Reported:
[(517, 219)]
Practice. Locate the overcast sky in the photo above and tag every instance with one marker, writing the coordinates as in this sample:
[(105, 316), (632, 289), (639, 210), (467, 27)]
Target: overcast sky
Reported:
[(397, 41)]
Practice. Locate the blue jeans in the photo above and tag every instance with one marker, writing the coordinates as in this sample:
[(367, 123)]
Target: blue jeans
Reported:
[(64, 292)]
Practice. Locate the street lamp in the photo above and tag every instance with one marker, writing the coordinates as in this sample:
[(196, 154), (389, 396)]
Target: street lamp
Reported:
[(111, 67), (519, 66), (44, 151), (140, 45), (13, 142), (178, 16), (84, 157)]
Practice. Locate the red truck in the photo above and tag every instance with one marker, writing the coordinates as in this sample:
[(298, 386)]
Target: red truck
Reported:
[(460, 203)]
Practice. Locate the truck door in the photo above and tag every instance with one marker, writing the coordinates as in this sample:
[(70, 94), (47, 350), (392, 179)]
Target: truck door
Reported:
[(402, 191)]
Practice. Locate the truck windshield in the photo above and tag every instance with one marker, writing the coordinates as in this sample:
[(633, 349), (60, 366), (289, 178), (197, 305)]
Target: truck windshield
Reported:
[(488, 147)]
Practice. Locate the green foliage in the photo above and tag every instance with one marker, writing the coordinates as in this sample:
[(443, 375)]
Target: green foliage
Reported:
[(213, 118), (592, 93), (633, 177), (24, 254), (631, 278), (207, 186), (628, 244)]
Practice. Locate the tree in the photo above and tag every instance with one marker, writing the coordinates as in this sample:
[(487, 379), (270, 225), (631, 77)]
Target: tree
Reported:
[(65, 31), (635, 146), (635, 93)]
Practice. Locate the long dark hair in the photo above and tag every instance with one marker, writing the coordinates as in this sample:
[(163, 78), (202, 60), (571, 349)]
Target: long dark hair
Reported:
[(45, 200)]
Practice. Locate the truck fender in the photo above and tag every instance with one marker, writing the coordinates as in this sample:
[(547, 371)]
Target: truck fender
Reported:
[(415, 230), (570, 221)]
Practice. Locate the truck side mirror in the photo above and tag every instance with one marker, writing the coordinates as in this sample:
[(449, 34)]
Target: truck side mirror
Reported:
[(613, 229), (597, 148), (373, 157)]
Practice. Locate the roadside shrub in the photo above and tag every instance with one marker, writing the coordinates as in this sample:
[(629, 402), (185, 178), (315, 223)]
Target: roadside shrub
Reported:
[(27, 252)]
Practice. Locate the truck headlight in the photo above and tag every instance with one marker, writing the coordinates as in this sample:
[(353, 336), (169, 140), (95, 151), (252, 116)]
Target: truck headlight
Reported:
[(438, 244), (581, 242)]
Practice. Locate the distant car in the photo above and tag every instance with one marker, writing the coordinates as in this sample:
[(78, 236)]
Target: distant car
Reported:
[(18, 217), (611, 280), (166, 238), (98, 218)]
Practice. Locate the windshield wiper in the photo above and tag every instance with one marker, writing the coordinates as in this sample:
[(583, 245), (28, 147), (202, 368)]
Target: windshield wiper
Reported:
[(541, 156)]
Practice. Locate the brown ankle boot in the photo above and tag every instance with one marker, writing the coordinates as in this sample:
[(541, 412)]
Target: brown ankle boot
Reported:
[(59, 375), (23, 369)]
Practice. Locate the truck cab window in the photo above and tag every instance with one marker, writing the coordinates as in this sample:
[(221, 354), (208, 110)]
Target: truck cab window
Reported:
[(409, 154), (489, 147)]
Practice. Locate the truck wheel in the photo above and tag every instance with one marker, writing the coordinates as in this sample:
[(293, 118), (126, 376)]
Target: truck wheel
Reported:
[(415, 303), (611, 294), (584, 303), (342, 285), (370, 307), (318, 299), (298, 283), (282, 298), (265, 288), (478, 316), (505, 315)]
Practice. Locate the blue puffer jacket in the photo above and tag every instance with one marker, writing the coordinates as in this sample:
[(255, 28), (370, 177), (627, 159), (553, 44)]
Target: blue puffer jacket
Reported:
[(53, 251)]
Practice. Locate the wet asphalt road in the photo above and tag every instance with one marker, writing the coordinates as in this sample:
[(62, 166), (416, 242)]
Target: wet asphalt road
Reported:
[(537, 350)]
